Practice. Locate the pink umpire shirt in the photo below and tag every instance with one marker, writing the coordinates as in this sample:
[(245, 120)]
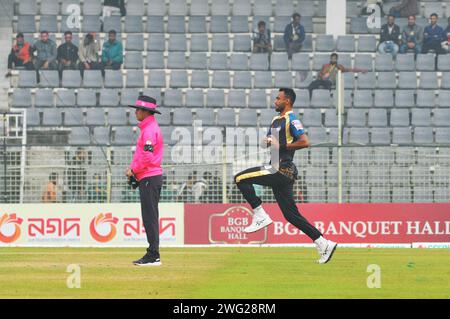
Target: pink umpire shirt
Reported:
[(149, 150)]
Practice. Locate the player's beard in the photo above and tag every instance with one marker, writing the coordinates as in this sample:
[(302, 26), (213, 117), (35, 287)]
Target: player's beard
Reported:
[(280, 108)]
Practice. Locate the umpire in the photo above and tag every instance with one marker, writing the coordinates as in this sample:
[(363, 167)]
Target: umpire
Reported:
[(145, 170)]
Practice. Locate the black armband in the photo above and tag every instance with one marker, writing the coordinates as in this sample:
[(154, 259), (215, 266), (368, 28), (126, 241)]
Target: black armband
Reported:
[(148, 148)]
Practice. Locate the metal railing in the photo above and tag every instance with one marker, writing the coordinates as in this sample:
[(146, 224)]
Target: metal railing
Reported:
[(369, 174)]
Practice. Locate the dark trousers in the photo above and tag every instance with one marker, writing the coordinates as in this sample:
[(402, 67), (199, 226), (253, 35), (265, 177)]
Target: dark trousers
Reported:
[(149, 192), (92, 65), (326, 84), (14, 60), (113, 66), (62, 67), (53, 65), (282, 187), (436, 46), (293, 47)]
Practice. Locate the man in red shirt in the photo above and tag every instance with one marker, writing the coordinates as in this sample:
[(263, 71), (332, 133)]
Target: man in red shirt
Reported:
[(146, 171), (20, 55)]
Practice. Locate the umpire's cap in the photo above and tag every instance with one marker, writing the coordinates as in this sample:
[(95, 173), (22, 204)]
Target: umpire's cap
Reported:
[(146, 103)]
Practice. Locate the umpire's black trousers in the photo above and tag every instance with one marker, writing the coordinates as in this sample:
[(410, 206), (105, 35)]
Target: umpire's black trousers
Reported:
[(149, 192), (282, 187)]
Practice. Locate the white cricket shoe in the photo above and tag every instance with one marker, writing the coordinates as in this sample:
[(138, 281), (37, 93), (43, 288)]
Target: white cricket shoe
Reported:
[(326, 251), (260, 220)]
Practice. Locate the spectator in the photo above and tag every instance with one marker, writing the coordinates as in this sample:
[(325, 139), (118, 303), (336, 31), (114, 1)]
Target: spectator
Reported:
[(193, 190), (198, 189), (97, 190), (411, 37), (327, 76), (433, 36), (211, 189), (261, 39), (405, 9), (49, 195), (20, 55), (214, 188), (111, 7), (67, 54), (76, 176), (46, 53), (88, 54), (185, 191), (112, 53), (389, 37), (446, 42), (294, 35)]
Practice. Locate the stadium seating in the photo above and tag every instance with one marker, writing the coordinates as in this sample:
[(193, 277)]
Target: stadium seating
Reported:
[(195, 58)]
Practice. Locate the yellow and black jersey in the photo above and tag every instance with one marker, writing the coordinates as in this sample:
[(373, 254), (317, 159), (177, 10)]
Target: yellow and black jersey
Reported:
[(289, 129)]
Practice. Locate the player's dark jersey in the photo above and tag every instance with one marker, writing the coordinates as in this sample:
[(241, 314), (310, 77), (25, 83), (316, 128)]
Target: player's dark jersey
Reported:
[(289, 129)]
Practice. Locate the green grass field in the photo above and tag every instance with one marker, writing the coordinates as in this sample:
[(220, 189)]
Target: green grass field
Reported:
[(224, 273)]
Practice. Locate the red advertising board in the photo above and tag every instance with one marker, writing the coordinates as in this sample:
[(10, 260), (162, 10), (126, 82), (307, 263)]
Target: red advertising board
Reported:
[(344, 223)]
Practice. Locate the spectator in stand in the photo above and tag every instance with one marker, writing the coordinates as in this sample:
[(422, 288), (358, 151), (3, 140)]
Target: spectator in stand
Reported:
[(198, 190), (411, 37), (113, 7), (20, 55), (193, 190), (112, 53), (405, 9), (46, 53), (50, 192), (389, 37), (433, 36), (97, 190), (211, 190), (214, 188), (294, 35), (88, 54), (76, 176), (327, 76), (261, 39), (446, 42), (184, 193), (67, 54)]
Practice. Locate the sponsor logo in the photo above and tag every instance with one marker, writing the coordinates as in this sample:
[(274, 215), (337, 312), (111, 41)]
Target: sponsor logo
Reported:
[(103, 227), (10, 228), (52, 228), (297, 124), (133, 229), (167, 228), (227, 227)]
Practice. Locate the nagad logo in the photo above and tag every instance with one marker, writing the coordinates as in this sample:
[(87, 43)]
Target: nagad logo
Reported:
[(103, 227), (227, 227), (10, 228)]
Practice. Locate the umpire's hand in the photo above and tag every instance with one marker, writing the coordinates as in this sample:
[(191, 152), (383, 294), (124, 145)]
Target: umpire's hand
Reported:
[(129, 172)]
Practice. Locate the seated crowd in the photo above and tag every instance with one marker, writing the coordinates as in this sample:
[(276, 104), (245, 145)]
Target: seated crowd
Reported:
[(44, 55)]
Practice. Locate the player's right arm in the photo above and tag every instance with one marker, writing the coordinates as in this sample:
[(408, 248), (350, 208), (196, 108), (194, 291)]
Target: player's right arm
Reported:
[(267, 140)]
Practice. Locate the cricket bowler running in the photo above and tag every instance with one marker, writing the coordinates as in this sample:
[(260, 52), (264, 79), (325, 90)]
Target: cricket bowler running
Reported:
[(285, 136)]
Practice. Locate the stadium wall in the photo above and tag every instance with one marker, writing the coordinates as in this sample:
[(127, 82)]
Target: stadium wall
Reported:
[(120, 225)]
